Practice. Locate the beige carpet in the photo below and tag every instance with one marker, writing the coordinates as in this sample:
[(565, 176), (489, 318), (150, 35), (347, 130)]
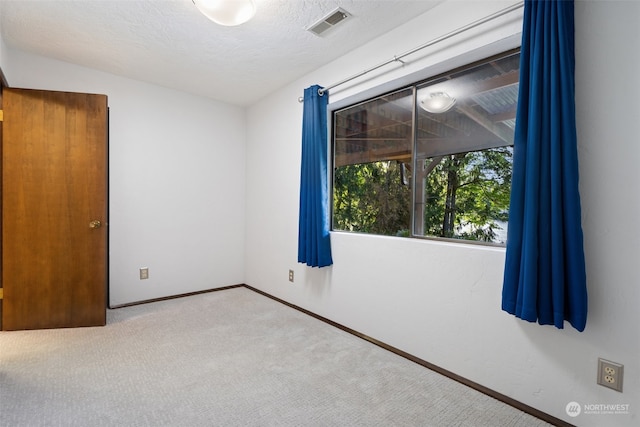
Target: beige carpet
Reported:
[(227, 358)]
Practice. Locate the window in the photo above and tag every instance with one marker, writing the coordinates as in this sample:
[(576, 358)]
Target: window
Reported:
[(430, 160)]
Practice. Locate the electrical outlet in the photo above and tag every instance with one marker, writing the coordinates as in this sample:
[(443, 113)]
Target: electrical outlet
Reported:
[(144, 273), (610, 374), (291, 276)]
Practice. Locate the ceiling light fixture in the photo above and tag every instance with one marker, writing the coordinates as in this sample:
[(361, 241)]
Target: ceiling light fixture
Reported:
[(227, 12), (437, 103)]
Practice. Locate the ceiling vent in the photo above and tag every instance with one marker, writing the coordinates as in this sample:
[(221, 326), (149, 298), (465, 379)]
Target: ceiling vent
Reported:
[(329, 21)]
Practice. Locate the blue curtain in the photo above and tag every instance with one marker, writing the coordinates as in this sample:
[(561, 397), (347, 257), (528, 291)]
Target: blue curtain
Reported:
[(544, 278), (314, 247)]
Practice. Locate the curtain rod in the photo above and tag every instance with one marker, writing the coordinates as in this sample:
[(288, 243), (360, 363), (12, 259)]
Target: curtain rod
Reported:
[(398, 58)]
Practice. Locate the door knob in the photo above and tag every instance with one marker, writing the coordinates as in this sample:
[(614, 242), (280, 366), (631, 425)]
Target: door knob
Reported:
[(95, 224)]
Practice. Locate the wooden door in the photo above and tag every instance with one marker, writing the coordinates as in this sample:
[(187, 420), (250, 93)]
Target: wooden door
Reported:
[(54, 210)]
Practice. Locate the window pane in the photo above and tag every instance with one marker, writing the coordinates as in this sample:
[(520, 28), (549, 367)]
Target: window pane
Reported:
[(463, 153), (372, 148), (432, 159)]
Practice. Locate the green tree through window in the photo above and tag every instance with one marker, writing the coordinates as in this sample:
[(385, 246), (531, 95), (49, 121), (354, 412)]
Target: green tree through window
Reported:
[(370, 198)]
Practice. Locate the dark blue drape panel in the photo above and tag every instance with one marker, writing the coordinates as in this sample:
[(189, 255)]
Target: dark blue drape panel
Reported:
[(314, 247), (545, 277)]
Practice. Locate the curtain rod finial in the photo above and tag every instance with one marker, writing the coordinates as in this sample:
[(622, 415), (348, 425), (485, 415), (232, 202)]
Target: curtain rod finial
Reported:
[(321, 92)]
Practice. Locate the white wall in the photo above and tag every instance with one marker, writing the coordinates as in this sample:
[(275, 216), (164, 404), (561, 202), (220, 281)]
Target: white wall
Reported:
[(3, 50), (441, 301), (3, 54), (176, 180)]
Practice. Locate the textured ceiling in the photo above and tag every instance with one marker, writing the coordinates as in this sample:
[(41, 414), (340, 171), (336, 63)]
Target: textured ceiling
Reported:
[(169, 43)]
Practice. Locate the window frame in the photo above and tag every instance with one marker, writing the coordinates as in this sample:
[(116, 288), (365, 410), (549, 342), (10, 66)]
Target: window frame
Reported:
[(459, 63)]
